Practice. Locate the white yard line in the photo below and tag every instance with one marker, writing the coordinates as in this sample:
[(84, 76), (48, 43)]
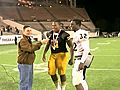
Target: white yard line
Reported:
[(106, 43), (35, 65), (108, 55), (8, 51), (94, 49), (110, 49), (9, 65), (38, 68), (93, 69)]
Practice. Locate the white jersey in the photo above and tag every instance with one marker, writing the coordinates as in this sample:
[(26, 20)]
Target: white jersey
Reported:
[(81, 49), (81, 43)]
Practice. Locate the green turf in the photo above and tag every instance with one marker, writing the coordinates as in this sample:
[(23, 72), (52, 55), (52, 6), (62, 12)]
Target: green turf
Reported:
[(104, 73)]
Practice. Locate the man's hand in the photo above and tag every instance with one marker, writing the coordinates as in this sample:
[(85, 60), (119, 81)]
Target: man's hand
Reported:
[(44, 41), (81, 66), (44, 58), (70, 62)]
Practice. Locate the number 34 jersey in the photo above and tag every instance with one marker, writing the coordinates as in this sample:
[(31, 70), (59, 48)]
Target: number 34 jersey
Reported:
[(81, 42)]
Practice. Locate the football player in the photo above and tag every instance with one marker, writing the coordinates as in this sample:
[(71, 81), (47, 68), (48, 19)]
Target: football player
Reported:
[(58, 58), (81, 51)]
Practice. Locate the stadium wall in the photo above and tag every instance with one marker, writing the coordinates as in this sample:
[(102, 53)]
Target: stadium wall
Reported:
[(10, 39), (20, 27)]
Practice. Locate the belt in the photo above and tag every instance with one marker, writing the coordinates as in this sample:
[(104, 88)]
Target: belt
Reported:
[(78, 57)]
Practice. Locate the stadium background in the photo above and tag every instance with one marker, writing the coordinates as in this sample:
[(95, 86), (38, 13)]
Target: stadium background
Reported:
[(105, 70)]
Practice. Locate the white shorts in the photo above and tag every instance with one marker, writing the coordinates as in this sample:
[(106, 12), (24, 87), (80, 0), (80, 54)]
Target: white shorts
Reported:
[(77, 76)]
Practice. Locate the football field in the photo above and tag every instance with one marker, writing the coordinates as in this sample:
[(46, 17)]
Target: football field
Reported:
[(104, 73)]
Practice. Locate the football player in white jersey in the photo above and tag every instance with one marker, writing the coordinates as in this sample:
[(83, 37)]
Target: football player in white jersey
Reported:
[(81, 51)]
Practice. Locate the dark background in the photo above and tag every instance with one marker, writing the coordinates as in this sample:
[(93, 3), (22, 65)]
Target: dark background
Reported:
[(104, 13)]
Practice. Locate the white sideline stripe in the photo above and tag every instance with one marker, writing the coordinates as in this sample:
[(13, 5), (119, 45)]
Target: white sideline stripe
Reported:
[(94, 49), (7, 51), (92, 69), (103, 43)]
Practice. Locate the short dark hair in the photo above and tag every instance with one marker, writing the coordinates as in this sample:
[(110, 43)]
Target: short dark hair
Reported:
[(58, 21), (26, 26), (77, 21)]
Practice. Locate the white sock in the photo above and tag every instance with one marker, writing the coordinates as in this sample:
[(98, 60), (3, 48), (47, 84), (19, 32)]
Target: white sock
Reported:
[(85, 85), (58, 87), (63, 87)]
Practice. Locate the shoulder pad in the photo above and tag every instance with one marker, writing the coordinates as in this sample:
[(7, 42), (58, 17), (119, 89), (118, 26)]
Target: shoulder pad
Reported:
[(64, 34)]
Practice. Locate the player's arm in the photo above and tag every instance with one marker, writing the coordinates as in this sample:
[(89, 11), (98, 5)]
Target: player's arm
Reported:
[(69, 43), (48, 35), (45, 51)]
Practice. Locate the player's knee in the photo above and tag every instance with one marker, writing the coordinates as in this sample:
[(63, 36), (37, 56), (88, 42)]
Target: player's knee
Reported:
[(54, 78), (79, 87), (63, 78), (84, 84)]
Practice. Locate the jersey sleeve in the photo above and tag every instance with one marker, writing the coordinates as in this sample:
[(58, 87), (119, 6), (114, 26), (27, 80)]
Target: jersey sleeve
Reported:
[(49, 34), (66, 36)]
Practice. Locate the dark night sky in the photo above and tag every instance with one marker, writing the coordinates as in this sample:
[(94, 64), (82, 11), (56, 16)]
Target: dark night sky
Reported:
[(108, 10), (101, 8)]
